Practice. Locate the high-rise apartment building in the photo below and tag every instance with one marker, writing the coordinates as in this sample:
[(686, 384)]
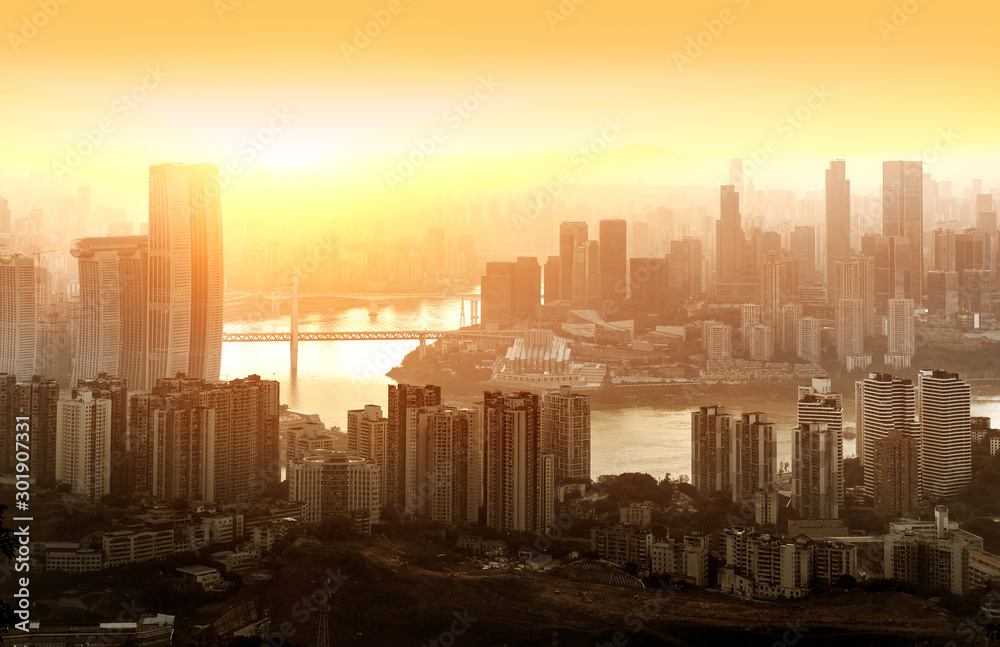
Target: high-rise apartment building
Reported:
[(716, 341), (816, 474), (209, 441), (566, 433), (36, 400), (854, 278), (818, 403), (17, 325), (779, 285), (883, 403), (808, 342), (83, 444), (447, 462), (901, 340), (711, 450), (754, 461), (404, 402), (759, 341), (368, 437), (185, 272), (335, 485), (896, 460), (113, 308), (849, 328), (838, 218), (518, 487), (115, 390), (945, 433)]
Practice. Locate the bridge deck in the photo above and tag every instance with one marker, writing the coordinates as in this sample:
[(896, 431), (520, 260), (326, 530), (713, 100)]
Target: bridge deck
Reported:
[(365, 335)]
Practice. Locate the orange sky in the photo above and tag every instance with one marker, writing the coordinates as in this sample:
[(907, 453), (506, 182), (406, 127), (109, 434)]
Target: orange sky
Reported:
[(890, 92)]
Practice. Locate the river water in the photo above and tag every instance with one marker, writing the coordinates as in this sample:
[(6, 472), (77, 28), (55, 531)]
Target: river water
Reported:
[(334, 377)]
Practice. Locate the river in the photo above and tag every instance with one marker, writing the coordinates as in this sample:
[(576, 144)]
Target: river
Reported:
[(334, 377)]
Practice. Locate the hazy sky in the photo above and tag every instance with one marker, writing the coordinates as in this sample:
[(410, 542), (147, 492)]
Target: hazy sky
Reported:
[(879, 81)]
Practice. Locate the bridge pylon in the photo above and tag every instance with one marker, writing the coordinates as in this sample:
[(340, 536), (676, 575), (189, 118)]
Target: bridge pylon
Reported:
[(294, 347)]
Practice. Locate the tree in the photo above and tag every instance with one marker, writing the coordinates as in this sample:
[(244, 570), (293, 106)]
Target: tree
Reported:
[(846, 581), (7, 618)]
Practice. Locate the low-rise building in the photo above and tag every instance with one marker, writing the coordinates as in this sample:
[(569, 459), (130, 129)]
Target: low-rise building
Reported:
[(205, 576), (622, 544), (685, 559)]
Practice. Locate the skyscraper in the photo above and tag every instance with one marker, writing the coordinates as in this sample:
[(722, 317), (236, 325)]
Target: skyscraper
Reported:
[(728, 237), (893, 269), (945, 433), (736, 177), (527, 288), (113, 308), (497, 289), (17, 325), (552, 280), (804, 248), (838, 218), (883, 403), (815, 471), (185, 272), (614, 264), (903, 215), (83, 444), (711, 450), (849, 327), (566, 432), (571, 234), (586, 283), (4, 216)]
